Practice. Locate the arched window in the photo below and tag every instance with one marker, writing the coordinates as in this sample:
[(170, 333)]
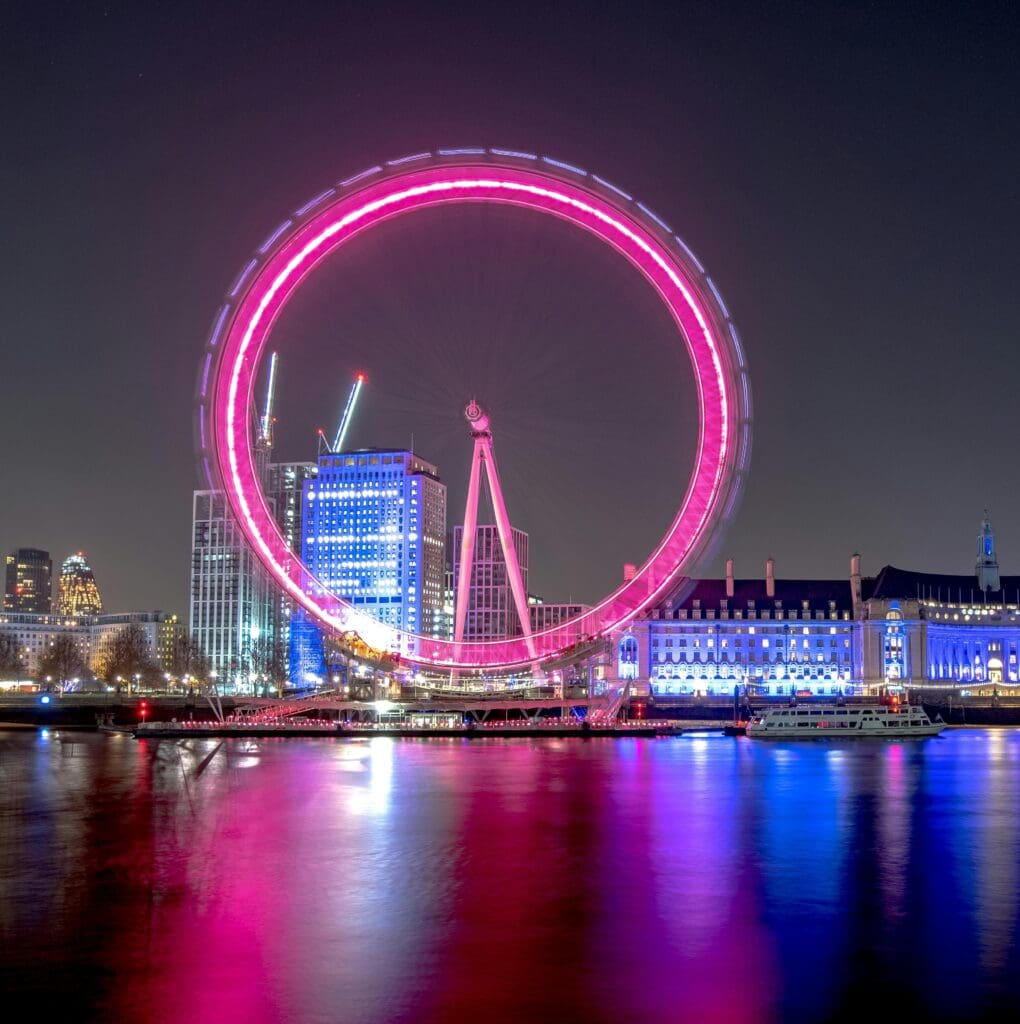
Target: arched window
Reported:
[(627, 657), (893, 648)]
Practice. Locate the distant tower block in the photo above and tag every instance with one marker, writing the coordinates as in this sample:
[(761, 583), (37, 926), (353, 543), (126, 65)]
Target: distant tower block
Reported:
[(28, 584), (987, 567), (483, 457), (77, 593)]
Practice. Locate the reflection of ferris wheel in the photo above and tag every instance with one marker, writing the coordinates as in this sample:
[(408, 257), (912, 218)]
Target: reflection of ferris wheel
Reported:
[(243, 324)]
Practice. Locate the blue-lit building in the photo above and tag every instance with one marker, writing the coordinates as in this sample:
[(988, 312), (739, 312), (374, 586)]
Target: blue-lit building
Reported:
[(775, 636), (857, 635), (373, 531)]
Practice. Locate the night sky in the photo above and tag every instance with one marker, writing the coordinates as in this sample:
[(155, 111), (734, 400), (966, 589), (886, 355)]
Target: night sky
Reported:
[(848, 173)]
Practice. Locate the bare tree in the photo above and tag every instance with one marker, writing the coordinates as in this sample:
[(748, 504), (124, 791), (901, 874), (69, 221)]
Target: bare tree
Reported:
[(129, 655), (187, 658), (62, 661), (267, 659), (10, 658)]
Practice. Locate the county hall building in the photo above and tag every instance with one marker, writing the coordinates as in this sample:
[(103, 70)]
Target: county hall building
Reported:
[(856, 635)]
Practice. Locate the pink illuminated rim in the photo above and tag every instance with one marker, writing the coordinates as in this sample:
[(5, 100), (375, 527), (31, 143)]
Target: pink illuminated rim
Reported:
[(263, 289)]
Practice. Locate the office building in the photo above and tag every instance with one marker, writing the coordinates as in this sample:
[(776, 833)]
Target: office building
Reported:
[(545, 616), (160, 630), (77, 591), (232, 597), (35, 633), (491, 612), (284, 482), (373, 532), (29, 581)]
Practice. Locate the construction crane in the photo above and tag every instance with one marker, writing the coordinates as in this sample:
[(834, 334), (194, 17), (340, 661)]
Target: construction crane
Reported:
[(345, 419), (266, 423)]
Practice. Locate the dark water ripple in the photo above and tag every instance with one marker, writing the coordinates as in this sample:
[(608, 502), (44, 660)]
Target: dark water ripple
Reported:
[(689, 879)]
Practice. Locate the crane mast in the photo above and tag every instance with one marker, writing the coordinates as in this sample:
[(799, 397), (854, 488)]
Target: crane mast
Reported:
[(345, 419), (266, 426)]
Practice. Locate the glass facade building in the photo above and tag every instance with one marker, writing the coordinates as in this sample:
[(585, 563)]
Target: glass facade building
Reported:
[(77, 591), (236, 611), (491, 611), (28, 581), (232, 598), (285, 483), (373, 532)]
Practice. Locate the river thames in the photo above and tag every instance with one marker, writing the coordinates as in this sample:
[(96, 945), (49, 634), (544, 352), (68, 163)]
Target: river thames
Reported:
[(695, 878)]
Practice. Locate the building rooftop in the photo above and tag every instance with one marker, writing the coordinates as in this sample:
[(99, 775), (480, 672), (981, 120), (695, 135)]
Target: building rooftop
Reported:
[(340, 460), (791, 593), (903, 584)]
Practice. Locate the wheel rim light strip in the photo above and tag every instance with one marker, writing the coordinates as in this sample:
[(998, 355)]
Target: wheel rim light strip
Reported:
[(265, 296)]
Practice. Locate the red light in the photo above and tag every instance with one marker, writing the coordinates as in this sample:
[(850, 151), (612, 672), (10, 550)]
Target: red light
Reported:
[(361, 378)]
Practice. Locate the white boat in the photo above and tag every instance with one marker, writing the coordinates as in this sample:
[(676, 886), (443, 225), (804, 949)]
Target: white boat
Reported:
[(817, 721)]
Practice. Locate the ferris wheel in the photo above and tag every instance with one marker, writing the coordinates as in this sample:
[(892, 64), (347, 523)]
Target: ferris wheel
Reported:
[(225, 433)]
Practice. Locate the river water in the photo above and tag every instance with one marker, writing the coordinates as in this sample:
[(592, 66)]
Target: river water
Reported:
[(696, 878)]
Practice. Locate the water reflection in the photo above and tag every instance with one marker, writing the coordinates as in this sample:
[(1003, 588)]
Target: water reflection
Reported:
[(698, 878)]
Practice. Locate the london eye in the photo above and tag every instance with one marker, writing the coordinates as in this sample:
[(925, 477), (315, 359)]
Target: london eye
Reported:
[(225, 432)]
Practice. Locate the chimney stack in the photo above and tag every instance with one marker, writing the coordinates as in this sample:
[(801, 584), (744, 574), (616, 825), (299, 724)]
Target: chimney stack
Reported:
[(855, 582), (729, 577), (770, 577)]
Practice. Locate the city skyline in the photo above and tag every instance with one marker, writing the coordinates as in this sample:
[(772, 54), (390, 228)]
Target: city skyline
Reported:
[(510, 511), (865, 257)]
